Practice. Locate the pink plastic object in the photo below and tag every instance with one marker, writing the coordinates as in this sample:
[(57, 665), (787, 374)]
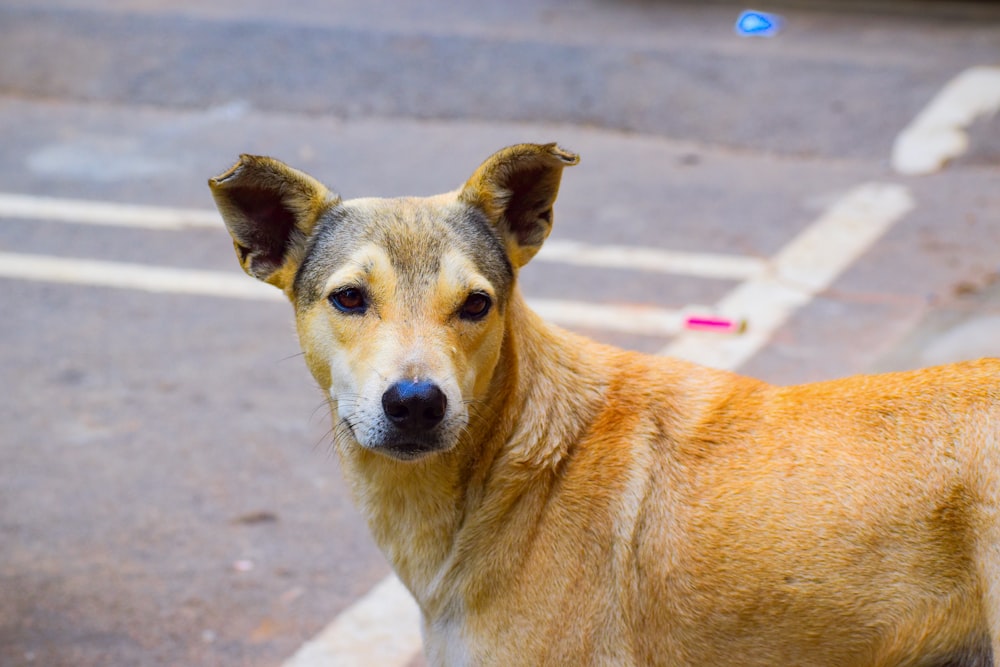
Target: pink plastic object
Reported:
[(712, 323)]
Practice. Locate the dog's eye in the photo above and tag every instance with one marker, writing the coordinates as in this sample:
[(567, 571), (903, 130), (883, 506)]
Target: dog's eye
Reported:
[(349, 300), (475, 307)]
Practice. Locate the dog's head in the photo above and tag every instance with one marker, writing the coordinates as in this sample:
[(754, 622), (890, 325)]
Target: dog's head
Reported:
[(399, 303)]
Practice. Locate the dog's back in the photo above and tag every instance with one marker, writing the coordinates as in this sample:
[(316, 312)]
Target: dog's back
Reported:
[(843, 519)]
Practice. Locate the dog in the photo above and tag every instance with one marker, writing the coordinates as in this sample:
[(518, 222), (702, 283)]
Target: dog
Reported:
[(549, 500)]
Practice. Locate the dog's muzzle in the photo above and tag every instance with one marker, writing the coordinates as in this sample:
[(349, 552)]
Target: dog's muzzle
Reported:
[(415, 409)]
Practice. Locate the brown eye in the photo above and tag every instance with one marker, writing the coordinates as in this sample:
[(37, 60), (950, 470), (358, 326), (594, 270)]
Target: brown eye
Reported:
[(475, 307), (349, 300)]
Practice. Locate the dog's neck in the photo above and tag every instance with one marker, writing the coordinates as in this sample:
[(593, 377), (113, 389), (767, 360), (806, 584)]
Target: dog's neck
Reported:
[(417, 511)]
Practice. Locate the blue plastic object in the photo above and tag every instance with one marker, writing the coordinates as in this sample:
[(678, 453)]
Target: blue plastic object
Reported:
[(752, 23)]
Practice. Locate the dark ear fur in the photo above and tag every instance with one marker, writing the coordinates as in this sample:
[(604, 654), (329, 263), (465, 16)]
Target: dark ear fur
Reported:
[(269, 209), (516, 187)]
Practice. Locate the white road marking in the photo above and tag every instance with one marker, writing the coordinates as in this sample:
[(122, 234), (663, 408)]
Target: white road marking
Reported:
[(637, 319), (804, 267), (82, 211), (937, 133), (45, 268), (703, 265), (382, 628)]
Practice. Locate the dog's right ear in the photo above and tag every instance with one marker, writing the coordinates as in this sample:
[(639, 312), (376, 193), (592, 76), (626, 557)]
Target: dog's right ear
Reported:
[(270, 210)]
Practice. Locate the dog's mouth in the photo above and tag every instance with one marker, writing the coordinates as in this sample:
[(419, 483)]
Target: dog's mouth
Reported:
[(413, 422), (398, 444), (409, 451)]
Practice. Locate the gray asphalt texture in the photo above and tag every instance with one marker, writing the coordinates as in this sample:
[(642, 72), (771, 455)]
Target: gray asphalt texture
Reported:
[(168, 495)]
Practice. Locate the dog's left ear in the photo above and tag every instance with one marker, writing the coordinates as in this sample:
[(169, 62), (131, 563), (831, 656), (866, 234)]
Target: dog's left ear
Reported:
[(516, 187), (270, 210)]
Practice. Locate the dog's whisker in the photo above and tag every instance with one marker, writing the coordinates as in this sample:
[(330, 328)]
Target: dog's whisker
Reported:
[(324, 406), (341, 429), (480, 411)]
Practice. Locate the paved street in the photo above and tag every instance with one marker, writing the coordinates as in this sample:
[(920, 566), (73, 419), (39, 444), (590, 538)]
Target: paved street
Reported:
[(168, 492)]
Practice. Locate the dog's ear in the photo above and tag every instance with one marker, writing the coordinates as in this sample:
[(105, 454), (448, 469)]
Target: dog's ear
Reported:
[(269, 209), (516, 188)]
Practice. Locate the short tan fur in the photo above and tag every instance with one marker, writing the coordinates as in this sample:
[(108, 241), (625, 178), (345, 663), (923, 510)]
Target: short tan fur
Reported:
[(549, 500)]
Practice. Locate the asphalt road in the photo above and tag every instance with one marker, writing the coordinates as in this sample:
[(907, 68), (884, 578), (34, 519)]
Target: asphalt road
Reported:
[(168, 495)]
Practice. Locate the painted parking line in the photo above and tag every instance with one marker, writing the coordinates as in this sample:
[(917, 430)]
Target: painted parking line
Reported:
[(635, 319), (804, 267), (122, 275), (86, 212), (701, 265), (621, 318), (937, 133), (361, 636)]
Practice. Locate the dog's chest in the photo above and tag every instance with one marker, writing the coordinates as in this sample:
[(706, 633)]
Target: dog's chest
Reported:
[(445, 644)]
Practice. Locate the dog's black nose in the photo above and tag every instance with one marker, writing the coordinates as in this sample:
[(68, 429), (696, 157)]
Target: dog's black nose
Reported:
[(414, 405)]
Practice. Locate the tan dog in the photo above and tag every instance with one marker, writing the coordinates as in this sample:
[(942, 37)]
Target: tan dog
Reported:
[(552, 501)]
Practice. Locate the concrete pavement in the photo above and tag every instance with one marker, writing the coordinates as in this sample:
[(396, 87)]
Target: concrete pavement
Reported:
[(671, 69)]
